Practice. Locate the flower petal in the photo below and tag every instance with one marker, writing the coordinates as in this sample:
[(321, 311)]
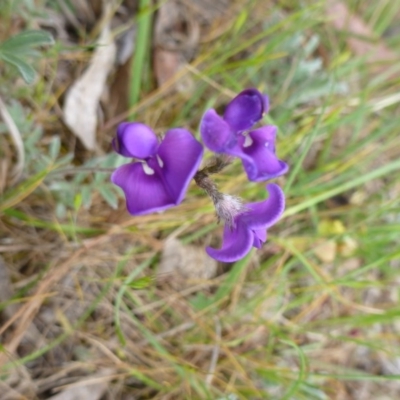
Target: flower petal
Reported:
[(179, 157), (144, 193), (236, 243), (260, 236), (245, 110), (265, 213), (135, 140), (215, 132), (259, 159)]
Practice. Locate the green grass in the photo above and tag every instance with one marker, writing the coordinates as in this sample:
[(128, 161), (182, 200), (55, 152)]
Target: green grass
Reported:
[(286, 322)]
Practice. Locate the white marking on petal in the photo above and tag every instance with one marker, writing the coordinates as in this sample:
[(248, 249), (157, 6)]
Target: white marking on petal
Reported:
[(147, 170), (248, 141), (266, 144), (160, 161)]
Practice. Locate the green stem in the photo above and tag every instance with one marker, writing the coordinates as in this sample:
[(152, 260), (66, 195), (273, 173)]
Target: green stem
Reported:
[(140, 53)]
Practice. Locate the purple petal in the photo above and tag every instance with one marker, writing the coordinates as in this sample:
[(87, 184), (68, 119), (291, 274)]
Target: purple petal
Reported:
[(144, 193), (260, 236), (179, 157), (245, 110), (236, 243), (259, 159), (135, 140), (215, 132), (265, 213)]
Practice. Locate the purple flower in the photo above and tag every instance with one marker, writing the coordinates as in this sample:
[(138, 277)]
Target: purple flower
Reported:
[(249, 228), (161, 179), (232, 134)]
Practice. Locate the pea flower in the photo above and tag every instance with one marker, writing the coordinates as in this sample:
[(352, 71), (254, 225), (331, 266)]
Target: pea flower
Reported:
[(160, 178), (233, 134), (249, 226)]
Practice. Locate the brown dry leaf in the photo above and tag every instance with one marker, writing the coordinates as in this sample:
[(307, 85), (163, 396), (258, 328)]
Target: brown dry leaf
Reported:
[(89, 388), (343, 19), (184, 262), (82, 100)]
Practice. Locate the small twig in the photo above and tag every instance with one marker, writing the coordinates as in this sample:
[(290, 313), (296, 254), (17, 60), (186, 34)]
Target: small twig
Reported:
[(16, 138)]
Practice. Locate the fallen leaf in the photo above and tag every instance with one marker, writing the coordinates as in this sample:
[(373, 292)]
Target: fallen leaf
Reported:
[(82, 100)]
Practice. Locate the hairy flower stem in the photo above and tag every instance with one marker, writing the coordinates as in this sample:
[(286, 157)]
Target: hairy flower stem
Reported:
[(207, 184), (203, 180), (218, 164)]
